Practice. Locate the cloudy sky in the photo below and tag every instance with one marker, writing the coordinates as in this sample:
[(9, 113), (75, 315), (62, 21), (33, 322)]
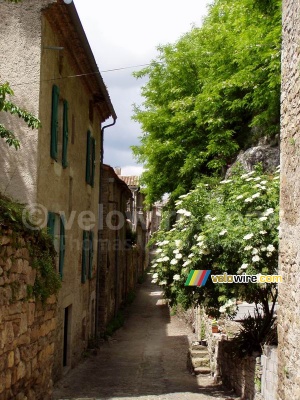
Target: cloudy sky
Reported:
[(124, 34)]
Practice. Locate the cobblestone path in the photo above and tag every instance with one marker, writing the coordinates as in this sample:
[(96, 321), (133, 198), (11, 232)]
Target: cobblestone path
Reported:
[(145, 360)]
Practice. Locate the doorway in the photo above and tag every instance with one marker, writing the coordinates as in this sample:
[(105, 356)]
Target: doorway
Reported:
[(67, 336)]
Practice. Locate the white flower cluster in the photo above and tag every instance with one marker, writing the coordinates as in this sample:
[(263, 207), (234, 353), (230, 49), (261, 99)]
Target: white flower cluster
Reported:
[(242, 268), (247, 175), (208, 217), (162, 243), (268, 212), (154, 278), (184, 212), (255, 252)]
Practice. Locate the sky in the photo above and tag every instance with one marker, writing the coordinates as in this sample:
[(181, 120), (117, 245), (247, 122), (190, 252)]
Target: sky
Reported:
[(126, 34)]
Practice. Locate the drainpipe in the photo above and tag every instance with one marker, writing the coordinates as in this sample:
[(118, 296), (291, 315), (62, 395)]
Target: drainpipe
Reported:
[(99, 242)]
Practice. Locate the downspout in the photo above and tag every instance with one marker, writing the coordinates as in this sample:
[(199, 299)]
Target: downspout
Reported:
[(99, 225)]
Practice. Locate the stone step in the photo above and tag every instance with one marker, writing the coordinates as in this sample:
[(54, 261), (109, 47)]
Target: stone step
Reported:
[(200, 362), (202, 371), (198, 347), (198, 353)]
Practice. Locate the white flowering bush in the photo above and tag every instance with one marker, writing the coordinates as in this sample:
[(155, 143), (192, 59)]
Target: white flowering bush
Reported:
[(229, 226)]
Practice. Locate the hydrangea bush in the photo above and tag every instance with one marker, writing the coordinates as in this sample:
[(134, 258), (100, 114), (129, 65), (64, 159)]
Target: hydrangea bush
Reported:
[(229, 226)]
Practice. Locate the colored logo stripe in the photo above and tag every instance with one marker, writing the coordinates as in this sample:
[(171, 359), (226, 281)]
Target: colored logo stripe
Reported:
[(197, 278)]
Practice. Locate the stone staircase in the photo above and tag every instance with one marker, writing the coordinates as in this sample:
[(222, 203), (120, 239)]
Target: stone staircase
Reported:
[(198, 362)]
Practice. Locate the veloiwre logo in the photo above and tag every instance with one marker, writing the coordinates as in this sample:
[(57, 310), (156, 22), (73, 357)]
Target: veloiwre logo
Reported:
[(197, 278)]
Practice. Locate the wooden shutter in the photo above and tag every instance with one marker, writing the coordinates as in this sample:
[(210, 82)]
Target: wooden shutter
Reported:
[(54, 122), (51, 223), (62, 246), (88, 173), (85, 258), (93, 145), (91, 254), (65, 136)]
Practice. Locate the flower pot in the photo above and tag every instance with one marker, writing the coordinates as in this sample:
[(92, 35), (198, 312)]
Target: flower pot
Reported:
[(214, 329)]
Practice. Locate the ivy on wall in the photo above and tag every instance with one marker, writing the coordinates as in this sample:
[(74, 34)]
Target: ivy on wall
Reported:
[(39, 245)]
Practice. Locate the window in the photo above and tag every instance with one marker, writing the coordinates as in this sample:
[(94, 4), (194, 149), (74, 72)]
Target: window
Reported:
[(91, 111), (56, 228), (87, 255), (59, 128), (65, 135), (73, 129), (90, 159)]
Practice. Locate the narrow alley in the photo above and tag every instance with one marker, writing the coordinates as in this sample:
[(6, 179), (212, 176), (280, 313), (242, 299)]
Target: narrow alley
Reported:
[(146, 359)]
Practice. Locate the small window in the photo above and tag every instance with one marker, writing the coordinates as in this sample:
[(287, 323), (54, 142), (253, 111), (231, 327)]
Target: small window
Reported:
[(56, 228), (59, 128), (65, 135), (87, 255), (91, 111), (54, 123), (90, 159), (73, 129)]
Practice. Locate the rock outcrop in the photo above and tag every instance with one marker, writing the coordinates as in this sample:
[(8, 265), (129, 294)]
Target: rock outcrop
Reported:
[(267, 155)]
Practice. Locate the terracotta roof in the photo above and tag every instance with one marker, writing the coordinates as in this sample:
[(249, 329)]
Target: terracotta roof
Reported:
[(130, 180), (117, 177)]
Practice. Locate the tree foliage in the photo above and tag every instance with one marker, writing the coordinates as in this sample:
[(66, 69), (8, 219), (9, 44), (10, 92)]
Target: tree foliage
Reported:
[(215, 91), (13, 109), (229, 227)]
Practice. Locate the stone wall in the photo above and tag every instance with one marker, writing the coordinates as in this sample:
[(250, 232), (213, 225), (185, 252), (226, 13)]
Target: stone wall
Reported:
[(27, 328), (269, 367), (237, 373), (289, 247)]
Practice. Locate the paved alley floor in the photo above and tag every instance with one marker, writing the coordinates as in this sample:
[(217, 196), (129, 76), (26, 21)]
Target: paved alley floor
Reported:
[(146, 360)]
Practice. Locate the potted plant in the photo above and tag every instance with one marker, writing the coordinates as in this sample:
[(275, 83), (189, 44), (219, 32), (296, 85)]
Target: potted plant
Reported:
[(214, 326)]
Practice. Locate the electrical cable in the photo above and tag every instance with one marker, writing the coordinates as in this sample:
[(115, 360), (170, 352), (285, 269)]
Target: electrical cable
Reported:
[(80, 75)]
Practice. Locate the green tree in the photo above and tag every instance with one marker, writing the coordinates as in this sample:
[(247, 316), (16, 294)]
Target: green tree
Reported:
[(215, 91), (8, 106), (228, 227)]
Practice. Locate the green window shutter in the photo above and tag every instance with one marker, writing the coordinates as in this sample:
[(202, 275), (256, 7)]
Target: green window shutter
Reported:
[(65, 136), (62, 246), (54, 122), (51, 223), (91, 254), (93, 145), (85, 252), (88, 173)]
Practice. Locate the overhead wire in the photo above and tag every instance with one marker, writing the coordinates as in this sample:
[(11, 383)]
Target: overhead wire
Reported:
[(81, 75)]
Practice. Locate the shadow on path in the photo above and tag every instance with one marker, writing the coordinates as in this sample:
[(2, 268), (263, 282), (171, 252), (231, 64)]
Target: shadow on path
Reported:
[(146, 359)]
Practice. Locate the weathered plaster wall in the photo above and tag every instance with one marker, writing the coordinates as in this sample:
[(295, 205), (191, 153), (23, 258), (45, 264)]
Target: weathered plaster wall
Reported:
[(27, 328), (289, 290), (20, 47)]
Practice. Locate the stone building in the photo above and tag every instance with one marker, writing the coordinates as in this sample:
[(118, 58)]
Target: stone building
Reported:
[(136, 210), (119, 260), (289, 290), (50, 66)]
